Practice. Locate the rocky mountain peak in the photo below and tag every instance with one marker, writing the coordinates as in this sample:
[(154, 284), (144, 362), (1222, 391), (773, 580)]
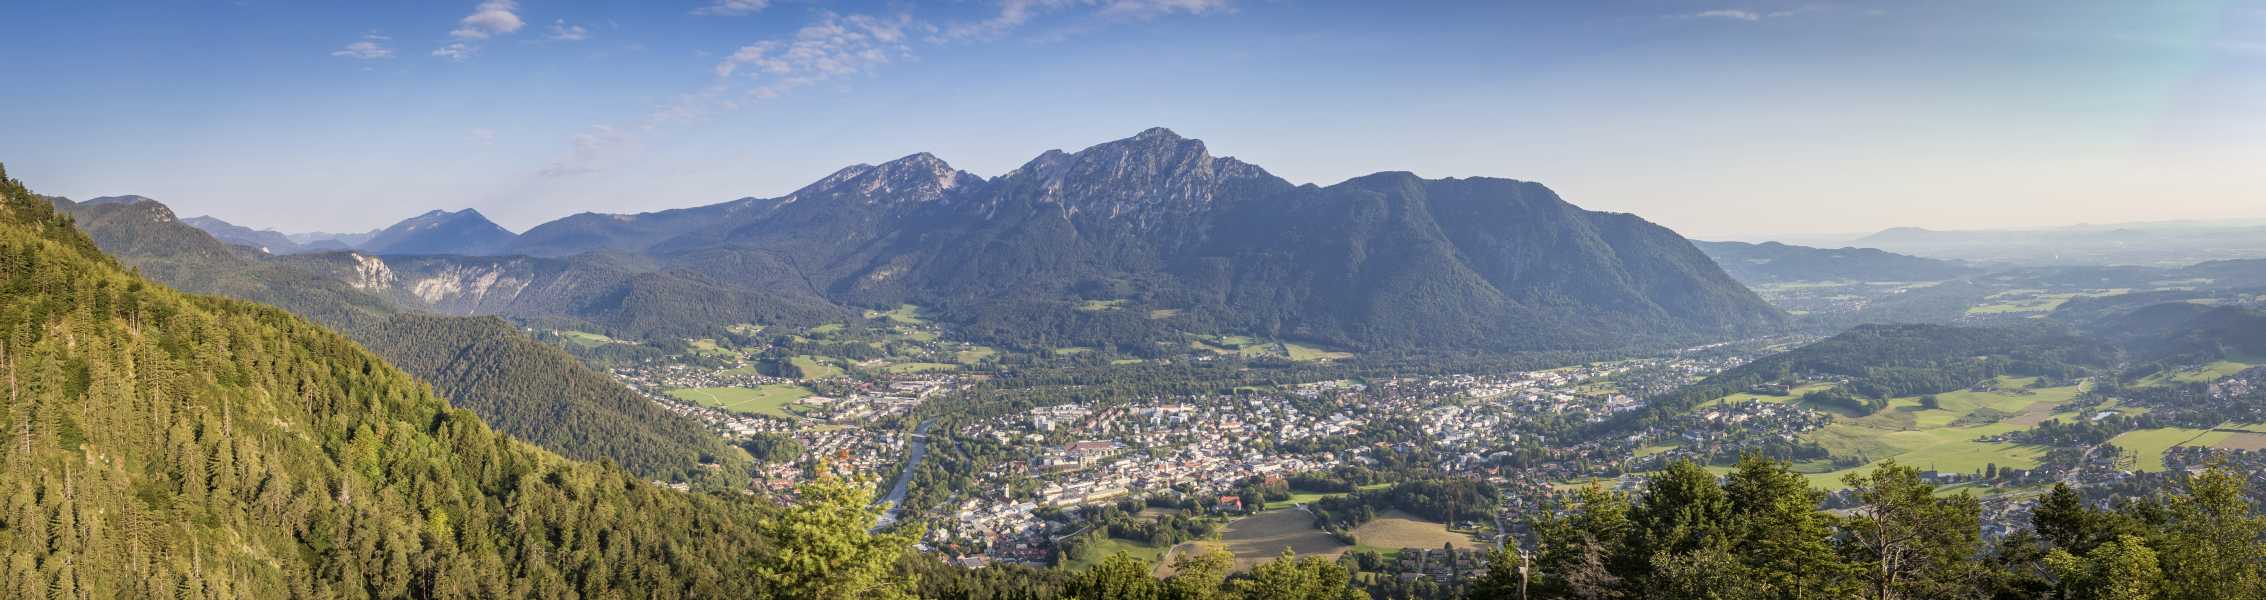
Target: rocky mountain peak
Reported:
[(917, 178), (1154, 171)]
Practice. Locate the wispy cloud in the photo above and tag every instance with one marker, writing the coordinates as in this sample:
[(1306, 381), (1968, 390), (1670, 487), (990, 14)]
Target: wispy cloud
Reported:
[(562, 32), (733, 8), (837, 46), (1728, 13), (456, 51), (371, 47), (1752, 15), (492, 17), (1152, 8), (589, 146)]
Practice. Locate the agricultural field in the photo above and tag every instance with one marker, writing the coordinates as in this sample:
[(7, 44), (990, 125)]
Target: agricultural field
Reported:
[(1944, 438), (1261, 537), (1792, 395), (764, 400), (2036, 302), (2147, 446), (918, 367), (1395, 530), (2216, 370)]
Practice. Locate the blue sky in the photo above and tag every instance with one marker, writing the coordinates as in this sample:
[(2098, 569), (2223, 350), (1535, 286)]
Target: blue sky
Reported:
[(1717, 118)]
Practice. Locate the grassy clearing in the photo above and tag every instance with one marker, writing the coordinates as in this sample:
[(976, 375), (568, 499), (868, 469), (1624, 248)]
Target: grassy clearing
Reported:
[(813, 367), (1101, 305), (826, 329), (708, 347), (1106, 546), (919, 367), (904, 314), (974, 354), (1164, 566), (1396, 529), (587, 339), (747, 329), (1163, 313), (764, 400), (1304, 353)]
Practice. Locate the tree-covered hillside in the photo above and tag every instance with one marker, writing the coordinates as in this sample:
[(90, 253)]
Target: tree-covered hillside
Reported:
[(160, 444), (515, 383)]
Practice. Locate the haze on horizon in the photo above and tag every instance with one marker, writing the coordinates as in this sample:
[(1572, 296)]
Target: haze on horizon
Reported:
[(1717, 119)]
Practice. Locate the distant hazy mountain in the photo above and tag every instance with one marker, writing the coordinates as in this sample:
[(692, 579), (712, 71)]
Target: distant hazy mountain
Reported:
[(1179, 239), (267, 240), (464, 232), (520, 385), (2168, 243), (1772, 262)]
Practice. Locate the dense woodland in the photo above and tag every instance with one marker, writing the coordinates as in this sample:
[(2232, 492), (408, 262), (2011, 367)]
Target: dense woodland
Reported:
[(168, 445), (1756, 533)]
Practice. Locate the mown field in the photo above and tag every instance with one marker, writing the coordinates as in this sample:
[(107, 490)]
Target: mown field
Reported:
[(1261, 537), (1395, 530), (764, 400)]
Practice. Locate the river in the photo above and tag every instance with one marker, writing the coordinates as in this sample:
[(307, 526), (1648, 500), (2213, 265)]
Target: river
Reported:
[(916, 448)]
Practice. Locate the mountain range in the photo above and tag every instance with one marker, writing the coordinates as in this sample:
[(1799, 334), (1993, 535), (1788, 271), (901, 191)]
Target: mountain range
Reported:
[(1171, 238)]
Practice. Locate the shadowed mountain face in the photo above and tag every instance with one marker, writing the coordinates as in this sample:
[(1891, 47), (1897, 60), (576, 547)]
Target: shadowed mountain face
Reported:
[(1173, 238)]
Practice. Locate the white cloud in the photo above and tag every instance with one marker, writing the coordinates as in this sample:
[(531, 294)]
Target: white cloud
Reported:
[(837, 46), (1151, 8), (561, 31), (457, 51), (370, 47), (1012, 14), (1727, 13), (492, 17), (733, 8), (833, 47)]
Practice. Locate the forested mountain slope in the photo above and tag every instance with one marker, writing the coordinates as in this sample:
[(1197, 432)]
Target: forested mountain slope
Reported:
[(1773, 262), (159, 444), (516, 384)]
